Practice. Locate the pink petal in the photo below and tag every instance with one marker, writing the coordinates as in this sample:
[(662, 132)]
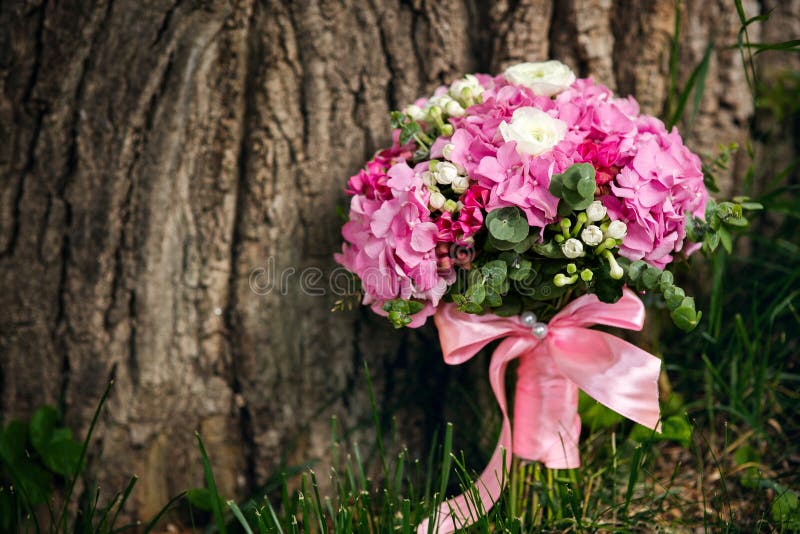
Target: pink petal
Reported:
[(423, 236)]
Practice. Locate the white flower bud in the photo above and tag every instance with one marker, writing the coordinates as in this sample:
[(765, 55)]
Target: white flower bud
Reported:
[(592, 235), (450, 205), (415, 112), (454, 109), (467, 89), (428, 178), (617, 230), (615, 270), (437, 200), (446, 172), (572, 248), (448, 149), (460, 184), (596, 211)]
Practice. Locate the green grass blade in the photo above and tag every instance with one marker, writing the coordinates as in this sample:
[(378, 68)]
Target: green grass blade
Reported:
[(237, 513), (62, 516), (167, 507), (216, 501), (125, 495)]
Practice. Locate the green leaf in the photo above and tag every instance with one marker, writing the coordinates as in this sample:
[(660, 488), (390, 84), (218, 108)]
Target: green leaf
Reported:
[(596, 415), (673, 296), (62, 454), (677, 428), (666, 280), (398, 311), (549, 249), (476, 293), (785, 510), (33, 482), (408, 131), (725, 239), (507, 224), (41, 426), (685, 316), (650, 277), (200, 498), (493, 298), (520, 270), (12, 441), (575, 187), (494, 273)]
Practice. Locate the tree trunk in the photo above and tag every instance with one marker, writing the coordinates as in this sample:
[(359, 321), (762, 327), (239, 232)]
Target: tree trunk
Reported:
[(164, 162)]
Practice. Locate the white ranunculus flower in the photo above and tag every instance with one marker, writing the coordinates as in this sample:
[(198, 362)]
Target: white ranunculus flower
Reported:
[(596, 211), (572, 248), (428, 178), (535, 131), (436, 200), (547, 78), (445, 173), (592, 235), (617, 230)]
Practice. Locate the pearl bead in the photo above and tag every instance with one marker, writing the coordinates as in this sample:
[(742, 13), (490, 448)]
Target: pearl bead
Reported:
[(539, 330), (528, 319)]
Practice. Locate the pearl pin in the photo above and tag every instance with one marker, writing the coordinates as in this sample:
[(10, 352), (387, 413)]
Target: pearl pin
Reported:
[(539, 330), (528, 319)]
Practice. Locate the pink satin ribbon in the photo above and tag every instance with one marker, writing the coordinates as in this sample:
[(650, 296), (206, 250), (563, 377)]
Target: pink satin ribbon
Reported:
[(571, 356)]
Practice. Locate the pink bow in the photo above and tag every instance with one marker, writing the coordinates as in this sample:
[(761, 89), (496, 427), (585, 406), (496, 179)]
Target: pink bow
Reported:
[(570, 356)]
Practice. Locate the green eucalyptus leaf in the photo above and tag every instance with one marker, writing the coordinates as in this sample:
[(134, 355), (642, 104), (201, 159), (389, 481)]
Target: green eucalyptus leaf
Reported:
[(685, 316), (493, 298), (476, 293), (520, 270), (507, 224), (650, 277), (575, 187), (549, 249), (494, 273), (673, 296), (666, 280), (636, 269)]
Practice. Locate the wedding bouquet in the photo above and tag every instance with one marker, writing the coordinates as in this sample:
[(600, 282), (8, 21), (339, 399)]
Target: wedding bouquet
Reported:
[(529, 206)]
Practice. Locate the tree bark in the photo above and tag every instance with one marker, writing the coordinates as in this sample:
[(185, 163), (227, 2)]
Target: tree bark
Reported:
[(161, 161)]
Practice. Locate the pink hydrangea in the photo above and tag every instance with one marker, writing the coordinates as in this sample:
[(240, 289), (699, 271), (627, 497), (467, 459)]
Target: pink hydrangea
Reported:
[(399, 245), (390, 240)]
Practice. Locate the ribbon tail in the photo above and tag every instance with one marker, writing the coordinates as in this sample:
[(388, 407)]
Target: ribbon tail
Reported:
[(612, 371), (465, 509), (546, 421)]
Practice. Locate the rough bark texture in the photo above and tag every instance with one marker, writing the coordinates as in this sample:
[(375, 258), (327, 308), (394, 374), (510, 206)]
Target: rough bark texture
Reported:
[(159, 158)]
